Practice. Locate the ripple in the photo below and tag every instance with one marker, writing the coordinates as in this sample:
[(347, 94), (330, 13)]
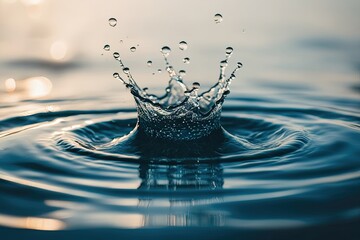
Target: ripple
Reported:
[(268, 167), (249, 138)]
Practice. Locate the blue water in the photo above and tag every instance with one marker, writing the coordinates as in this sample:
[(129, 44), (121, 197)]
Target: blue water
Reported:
[(276, 166)]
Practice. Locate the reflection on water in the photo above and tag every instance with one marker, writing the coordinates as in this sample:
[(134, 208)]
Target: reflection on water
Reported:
[(177, 207), (29, 88), (45, 224)]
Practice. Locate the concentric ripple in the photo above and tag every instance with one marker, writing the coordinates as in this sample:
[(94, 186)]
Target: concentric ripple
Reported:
[(244, 138), (272, 167)]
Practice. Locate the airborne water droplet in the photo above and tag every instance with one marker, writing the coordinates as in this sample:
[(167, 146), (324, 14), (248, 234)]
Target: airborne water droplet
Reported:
[(107, 47), (116, 55), (196, 85), (149, 63), (183, 45), (112, 22), (126, 70), (116, 75), (223, 64), (165, 51), (218, 18), (186, 60), (159, 70), (229, 50), (239, 65), (133, 49), (182, 73)]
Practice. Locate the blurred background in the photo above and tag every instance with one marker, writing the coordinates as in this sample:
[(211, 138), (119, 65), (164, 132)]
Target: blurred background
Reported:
[(54, 49)]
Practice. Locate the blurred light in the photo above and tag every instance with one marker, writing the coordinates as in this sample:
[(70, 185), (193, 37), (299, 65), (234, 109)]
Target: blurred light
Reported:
[(58, 50), (46, 224), (38, 86), (10, 85)]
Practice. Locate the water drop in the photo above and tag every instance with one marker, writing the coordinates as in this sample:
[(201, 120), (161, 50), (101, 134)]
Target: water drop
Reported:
[(159, 70), (133, 49), (183, 45), (126, 70), (165, 51), (170, 69), (223, 64), (107, 47), (149, 63), (218, 18), (239, 65), (186, 60), (196, 85), (182, 73), (229, 50), (116, 75), (116, 55), (112, 22)]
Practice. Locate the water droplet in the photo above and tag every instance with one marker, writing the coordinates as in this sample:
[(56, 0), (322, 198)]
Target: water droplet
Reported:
[(133, 49), (196, 85), (239, 65), (165, 51), (116, 55), (107, 47), (223, 64), (186, 60), (116, 75), (218, 18), (229, 50), (153, 73), (182, 73), (159, 70), (149, 63), (126, 70), (170, 69), (112, 22), (183, 45)]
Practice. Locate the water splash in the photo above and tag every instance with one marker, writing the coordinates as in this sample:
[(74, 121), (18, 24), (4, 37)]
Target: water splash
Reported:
[(182, 113)]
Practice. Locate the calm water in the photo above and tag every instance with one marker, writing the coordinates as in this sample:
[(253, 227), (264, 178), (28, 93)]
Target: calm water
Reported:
[(284, 165)]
